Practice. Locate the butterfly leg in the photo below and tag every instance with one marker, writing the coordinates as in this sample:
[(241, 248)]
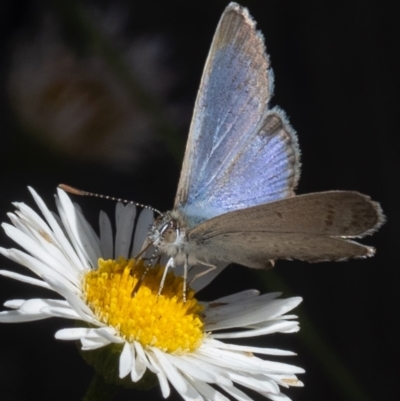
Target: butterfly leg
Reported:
[(149, 265), (169, 264), (185, 273), (145, 247), (210, 268)]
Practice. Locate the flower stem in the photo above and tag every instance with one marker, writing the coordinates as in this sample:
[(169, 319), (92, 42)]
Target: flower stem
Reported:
[(100, 390)]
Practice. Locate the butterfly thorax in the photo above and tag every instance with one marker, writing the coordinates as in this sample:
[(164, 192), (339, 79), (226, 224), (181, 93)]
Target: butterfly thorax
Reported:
[(168, 234)]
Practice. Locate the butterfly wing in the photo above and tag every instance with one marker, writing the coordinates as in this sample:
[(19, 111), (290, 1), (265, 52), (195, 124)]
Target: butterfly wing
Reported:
[(312, 227), (238, 153)]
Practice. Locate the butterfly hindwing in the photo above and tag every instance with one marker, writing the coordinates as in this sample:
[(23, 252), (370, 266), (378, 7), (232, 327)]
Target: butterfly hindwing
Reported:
[(257, 249), (312, 227)]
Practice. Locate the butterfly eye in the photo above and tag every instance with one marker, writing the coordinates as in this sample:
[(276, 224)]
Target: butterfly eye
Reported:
[(170, 233)]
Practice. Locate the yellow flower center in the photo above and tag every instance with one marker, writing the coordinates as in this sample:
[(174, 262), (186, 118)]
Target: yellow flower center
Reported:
[(163, 321)]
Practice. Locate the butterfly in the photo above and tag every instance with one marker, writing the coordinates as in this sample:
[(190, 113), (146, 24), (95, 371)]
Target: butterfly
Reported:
[(235, 201)]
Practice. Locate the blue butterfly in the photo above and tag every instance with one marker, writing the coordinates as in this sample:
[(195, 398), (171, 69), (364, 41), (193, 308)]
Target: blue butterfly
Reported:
[(235, 201)]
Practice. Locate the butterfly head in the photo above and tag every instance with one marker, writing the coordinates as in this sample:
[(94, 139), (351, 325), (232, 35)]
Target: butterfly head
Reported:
[(168, 233)]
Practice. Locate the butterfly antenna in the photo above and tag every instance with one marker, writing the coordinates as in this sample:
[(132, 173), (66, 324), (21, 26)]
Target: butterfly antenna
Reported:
[(80, 192)]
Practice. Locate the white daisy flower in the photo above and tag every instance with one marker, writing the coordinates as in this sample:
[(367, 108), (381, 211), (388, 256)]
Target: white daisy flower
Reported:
[(180, 342)]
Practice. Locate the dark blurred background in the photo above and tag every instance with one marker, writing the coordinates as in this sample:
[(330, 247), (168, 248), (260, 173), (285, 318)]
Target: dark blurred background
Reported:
[(99, 95)]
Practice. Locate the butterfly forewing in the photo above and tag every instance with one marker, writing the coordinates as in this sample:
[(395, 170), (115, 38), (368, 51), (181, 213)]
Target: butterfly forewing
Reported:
[(239, 153)]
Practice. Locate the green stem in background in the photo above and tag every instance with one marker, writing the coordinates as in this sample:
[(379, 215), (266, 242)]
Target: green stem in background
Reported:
[(92, 41), (334, 369), (100, 390)]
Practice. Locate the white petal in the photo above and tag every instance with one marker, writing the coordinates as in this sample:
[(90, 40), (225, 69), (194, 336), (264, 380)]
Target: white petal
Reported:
[(59, 308), (89, 344), (209, 392), (36, 305), (91, 338), (20, 221), (236, 393), (38, 267), (226, 361), (192, 369), (19, 317), (126, 360), (91, 242), (27, 216), (237, 361), (77, 303), (124, 223), (44, 238), (75, 333), (38, 252), (14, 303), (58, 232), (173, 375), (221, 376), (185, 389), (143, 356), (162, 378), (74, 230), (286, 380), (278, 397), (265, 302), (258, 383), (28, 310), (110, 335), (238, 297), (59, 222), (248, 313), (192, 394), (287, 317), (244, 348), (138, 369), (142, 227), (95, 338), (65, 313), (272, 327), (106, 236), (18, 303), (29, 222), (25, 279)]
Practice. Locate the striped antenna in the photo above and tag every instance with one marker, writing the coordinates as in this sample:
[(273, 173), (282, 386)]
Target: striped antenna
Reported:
[(80, 192)]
